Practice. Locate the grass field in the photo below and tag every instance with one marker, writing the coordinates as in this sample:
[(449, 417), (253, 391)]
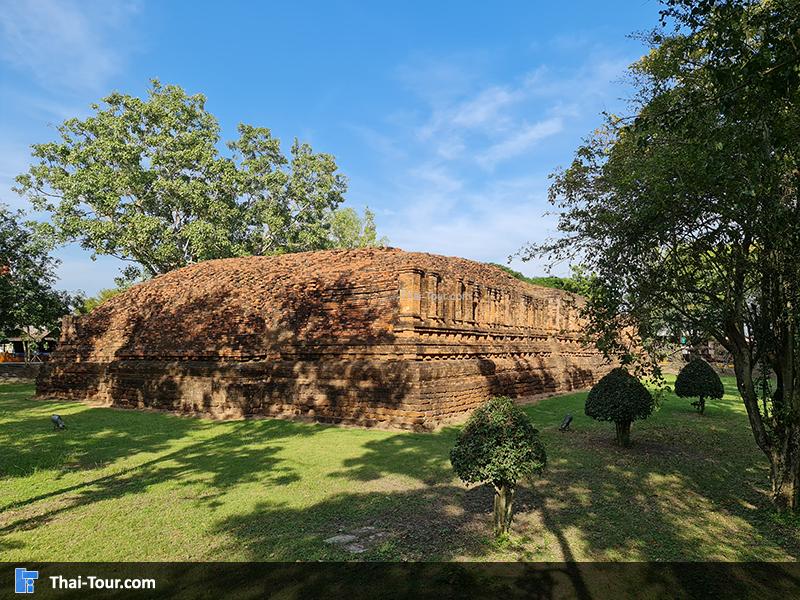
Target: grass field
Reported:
[(127, 485)]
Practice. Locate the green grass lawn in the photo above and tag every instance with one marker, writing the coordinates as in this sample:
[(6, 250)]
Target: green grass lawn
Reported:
[(146, 486)]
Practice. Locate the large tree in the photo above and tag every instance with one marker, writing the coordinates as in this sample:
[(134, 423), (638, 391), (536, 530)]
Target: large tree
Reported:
[(144, 180), (688, 211), (29, 304)]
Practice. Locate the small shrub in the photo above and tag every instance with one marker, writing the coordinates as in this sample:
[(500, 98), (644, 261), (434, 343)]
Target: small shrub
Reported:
[(500, 446), (622, 398), (698, 379)]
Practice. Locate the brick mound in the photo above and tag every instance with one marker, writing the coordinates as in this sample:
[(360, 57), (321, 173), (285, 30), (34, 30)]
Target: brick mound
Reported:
[(369, 336)]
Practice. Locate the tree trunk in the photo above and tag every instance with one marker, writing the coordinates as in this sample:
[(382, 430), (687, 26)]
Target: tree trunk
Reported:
[(503, 503), (701, 405), (785, 471), (623, 433), (782, 444)]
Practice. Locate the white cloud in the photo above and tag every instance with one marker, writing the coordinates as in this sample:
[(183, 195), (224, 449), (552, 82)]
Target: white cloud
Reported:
[(484, 111), (451, 195), (493, 123), (581, 86), (485, 108), (486, 224), (64, 44), (436, 178), (385, 145), (440, 82), (519, 141)]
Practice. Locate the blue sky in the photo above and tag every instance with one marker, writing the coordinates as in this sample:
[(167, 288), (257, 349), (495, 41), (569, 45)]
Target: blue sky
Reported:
[(446, 116)]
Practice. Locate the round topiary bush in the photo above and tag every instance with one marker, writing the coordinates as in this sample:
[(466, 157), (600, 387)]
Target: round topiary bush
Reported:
[(698, 379), (500, 446), (622, 398)]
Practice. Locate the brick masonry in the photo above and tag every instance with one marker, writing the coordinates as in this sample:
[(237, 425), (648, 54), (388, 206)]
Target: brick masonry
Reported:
[(368, 337)]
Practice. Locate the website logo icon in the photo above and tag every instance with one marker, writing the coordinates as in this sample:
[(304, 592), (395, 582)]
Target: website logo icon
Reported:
[(24, 580)]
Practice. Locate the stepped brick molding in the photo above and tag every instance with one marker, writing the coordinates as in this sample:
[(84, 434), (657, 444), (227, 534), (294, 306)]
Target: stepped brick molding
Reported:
[(373, 336)]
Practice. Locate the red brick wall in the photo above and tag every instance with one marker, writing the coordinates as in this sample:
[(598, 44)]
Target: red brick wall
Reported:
[(371, 336)]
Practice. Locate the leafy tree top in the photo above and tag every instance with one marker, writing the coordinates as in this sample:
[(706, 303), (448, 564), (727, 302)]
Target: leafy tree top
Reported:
[(619, 397), (698, 379), (348, 230), (577, 283), (498, 445), (89, 304), (687, 212), (144, 180)]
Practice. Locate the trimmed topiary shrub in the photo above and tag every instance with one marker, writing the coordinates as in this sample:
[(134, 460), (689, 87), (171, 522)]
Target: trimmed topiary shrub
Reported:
[(499, 446), (698, 379), (622, 398)]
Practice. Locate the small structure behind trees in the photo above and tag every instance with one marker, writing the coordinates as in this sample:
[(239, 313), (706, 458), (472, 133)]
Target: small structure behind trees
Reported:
[(622, 398), (499, 446), (699, 380)]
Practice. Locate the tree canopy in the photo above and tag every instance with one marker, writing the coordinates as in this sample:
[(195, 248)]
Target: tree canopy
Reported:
[(621, 398), (348, 230), (577, 283), (87, 305), (698, 379), (144, 180), (27, 276), (687, 211)]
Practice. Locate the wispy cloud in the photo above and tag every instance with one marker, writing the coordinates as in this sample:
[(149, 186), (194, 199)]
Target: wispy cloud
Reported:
[(486, 224), (483, 112), (583, 85), (474, 179), (493, 123), (57, 56), (519, 141), (64, 44)]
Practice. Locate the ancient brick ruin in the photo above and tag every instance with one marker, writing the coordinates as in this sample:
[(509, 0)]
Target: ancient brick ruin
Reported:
[(370, 337)]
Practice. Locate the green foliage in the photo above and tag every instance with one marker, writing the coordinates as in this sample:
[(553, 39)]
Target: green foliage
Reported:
[(87, 305), (577, 283), (144, 180), (498, 445), (348, 230), (687, 211), (286, 202), (27, 277), (619, 397), (698, 379)]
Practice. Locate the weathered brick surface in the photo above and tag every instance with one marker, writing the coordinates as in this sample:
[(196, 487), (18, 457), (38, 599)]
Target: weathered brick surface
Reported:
[(371, 336)]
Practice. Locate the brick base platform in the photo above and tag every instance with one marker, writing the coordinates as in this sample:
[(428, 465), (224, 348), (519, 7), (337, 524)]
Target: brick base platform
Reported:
[(374, 337)]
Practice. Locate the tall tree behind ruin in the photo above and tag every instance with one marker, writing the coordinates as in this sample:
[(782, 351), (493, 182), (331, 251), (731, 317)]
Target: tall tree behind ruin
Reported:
[(348, 230), (144, 180), (689, 212)]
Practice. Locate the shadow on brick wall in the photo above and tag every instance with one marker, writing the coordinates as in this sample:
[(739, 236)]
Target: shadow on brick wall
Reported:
[(307, 354)]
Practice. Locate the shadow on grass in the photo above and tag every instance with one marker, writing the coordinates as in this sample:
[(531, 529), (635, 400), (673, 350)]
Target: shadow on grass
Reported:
[(94, 437), (267, 533), (97, 437), (685, 491), (691, 488)]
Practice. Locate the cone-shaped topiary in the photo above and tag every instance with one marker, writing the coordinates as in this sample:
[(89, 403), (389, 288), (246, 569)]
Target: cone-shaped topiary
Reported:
[(619, 397), (500, 446), (698, 379)]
